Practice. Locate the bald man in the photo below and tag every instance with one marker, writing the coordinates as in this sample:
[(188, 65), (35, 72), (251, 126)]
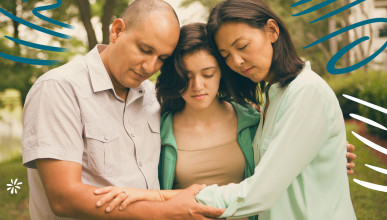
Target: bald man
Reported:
[(95, 122)]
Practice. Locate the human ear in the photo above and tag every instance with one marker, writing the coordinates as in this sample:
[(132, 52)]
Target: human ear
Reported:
[(118, 27), (273, 29)]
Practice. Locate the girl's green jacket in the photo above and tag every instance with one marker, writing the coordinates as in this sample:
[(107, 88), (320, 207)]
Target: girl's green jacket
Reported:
[(248, 120)]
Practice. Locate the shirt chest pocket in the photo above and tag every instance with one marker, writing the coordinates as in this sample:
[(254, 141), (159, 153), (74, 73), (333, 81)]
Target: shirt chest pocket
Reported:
[(154, 127), (152, 141), (100, 140)]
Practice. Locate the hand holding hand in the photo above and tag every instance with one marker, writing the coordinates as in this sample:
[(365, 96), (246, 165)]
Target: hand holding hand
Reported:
[(185, 206), (123, 196)]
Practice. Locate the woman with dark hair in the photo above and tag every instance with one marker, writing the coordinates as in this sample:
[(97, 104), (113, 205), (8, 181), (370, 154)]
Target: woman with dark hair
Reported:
[(300, 140), (207, 138)]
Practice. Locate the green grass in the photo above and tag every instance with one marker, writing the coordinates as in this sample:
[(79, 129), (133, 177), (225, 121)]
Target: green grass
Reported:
[(368, 204), (13, 206)]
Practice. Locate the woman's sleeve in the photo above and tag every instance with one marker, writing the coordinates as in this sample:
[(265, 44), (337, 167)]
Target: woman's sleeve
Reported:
[(302, 127)]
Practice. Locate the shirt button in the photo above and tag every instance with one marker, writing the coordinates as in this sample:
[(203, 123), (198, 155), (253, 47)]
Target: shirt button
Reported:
[(140, 91), (132, 134), (239, 200), (106, 138), (140, 164)]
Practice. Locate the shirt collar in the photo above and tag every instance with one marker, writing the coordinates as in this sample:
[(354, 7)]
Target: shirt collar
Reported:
[(100, 79), (135, 93)]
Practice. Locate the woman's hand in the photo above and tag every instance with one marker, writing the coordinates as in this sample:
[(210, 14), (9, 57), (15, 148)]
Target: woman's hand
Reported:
[(123, 196), (350, 158)]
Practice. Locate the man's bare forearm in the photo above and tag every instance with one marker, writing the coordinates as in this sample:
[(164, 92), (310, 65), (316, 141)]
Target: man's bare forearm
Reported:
[(69, 197), (82, 205)]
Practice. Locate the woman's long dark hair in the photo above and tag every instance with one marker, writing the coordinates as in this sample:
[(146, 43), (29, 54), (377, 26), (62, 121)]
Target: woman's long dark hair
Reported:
[(173, 80), (286, 64)]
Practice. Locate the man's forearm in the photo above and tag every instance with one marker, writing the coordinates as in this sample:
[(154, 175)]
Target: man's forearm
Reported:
[(69, 197), (81, 204)]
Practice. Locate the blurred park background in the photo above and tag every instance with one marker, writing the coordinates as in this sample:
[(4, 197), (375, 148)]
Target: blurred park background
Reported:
[(91, 19)]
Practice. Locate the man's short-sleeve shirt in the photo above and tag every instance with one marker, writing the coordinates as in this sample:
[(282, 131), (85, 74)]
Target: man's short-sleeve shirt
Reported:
[(73, 114)]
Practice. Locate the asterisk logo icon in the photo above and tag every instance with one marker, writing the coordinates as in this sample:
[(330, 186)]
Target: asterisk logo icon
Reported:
[(14, 186)]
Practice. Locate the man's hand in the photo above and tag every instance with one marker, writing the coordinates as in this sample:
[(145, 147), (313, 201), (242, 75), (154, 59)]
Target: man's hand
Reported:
[(185, 206), (350, 158)]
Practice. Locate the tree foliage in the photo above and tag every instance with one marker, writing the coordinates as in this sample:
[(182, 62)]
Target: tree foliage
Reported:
[(21, 76), (208, 4)]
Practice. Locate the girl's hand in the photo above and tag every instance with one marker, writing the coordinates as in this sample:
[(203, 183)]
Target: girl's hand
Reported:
[(123, 196), (350, 158)]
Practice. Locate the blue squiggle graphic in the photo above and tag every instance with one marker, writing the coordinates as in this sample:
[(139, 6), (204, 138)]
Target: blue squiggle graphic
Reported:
[(37, 46), (335, 58), (300, 3), (28, 60), (34, 26), (330, 14), (314, 8), (345, 29), (36, 11), (58, 3)]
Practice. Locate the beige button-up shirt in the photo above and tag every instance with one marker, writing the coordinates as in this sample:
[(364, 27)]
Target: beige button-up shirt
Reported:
[(72, 113)]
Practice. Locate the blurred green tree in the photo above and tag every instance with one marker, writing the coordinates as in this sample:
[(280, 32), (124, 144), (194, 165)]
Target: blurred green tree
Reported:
[(21, 76), (208, 4)]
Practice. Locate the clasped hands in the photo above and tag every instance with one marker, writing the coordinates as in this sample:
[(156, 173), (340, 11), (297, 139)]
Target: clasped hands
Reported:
[(183, 201), (123, 196)]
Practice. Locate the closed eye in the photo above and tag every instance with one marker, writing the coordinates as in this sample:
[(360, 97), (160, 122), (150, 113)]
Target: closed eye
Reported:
[(163, 59), (209, 76), (146, 51), (243, 47)]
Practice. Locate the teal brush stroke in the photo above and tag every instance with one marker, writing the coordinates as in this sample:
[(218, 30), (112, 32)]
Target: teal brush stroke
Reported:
[(34, 26), (335, 58), (37, 46), (330, 14), (58, 3), (350, 27), (28, 60), (315, 8), (300, 3)]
